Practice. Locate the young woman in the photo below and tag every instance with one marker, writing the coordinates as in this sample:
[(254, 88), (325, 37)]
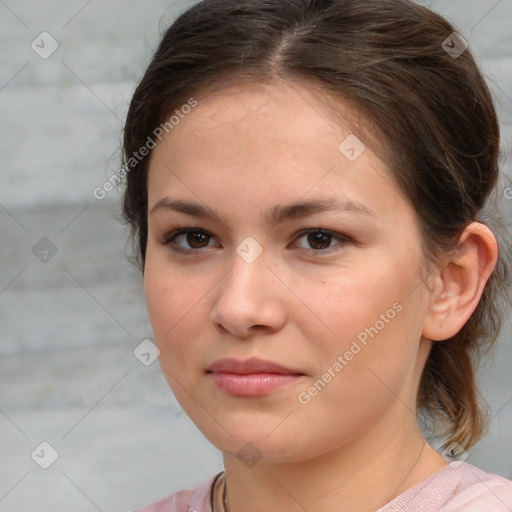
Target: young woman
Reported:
[(305, 182)]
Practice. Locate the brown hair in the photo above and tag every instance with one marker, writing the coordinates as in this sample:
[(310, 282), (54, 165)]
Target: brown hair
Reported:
[(431, 108)]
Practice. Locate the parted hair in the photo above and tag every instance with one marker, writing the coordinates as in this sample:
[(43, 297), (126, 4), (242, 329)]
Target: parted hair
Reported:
[(430, 107)]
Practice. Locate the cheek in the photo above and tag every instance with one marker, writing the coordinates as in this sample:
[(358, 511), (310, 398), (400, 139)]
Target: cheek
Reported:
[(351, 303), (160, 300), (359, 381), (372, 320), (176, 313), (173, 308)]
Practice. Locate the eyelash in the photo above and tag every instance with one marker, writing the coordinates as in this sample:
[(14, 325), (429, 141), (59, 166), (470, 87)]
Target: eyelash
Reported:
[(168, 240)]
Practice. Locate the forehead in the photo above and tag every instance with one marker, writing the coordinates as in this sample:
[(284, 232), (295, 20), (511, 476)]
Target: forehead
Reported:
[(268, 141), (270, 106)]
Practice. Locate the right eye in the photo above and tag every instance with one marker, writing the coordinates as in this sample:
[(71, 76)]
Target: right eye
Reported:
[(187, 240)]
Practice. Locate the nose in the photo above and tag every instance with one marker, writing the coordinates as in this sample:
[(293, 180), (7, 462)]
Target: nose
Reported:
[(249, 299)]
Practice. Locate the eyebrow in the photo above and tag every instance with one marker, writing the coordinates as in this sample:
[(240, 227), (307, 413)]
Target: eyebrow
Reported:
[(275, 215)]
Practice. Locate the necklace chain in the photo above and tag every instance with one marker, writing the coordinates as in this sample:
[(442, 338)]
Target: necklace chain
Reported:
[(223, 498)]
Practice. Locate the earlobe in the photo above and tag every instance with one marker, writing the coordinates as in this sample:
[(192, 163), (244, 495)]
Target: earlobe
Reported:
[(461, 283)]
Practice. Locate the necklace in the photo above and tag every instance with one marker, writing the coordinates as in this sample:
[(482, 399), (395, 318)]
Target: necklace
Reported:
[(219, 500)]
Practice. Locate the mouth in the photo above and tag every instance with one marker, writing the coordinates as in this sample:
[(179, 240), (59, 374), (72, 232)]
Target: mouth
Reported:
[(251, 377)]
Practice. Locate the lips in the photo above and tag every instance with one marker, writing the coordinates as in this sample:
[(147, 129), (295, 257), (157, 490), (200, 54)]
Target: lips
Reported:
[(252, 365), (252, 377)]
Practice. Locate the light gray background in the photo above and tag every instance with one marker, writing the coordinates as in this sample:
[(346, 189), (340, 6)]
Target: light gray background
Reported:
[(69, 326)]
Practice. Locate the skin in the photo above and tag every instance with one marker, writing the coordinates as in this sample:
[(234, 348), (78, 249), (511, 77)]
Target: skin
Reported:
[(242, 151)]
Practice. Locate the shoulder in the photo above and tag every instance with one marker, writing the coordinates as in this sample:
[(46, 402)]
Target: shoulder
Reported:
[(460, 487), (481, 490), (187, 500)]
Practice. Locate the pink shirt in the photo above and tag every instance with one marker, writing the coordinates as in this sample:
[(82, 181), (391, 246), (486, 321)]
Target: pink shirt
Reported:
[(460, 487)]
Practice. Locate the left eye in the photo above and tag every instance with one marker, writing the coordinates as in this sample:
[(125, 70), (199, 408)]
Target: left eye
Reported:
[(319, 240)]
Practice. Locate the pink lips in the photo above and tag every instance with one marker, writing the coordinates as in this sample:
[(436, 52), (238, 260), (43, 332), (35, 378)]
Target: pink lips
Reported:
[(252, 377)]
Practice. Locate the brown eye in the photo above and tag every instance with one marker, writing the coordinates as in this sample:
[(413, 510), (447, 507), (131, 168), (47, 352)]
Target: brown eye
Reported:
[(188, 240), (197, 239), (321, 241)]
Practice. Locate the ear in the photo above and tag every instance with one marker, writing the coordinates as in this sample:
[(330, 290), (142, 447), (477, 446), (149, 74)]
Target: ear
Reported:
[(460, 284)]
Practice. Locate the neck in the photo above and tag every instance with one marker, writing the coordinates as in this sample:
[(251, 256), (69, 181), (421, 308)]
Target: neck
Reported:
[(339, 480)]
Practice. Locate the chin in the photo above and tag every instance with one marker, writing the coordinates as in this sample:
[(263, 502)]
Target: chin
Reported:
[(259, 442)]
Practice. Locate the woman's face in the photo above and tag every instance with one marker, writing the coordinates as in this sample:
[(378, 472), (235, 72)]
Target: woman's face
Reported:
[(341, 310)]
